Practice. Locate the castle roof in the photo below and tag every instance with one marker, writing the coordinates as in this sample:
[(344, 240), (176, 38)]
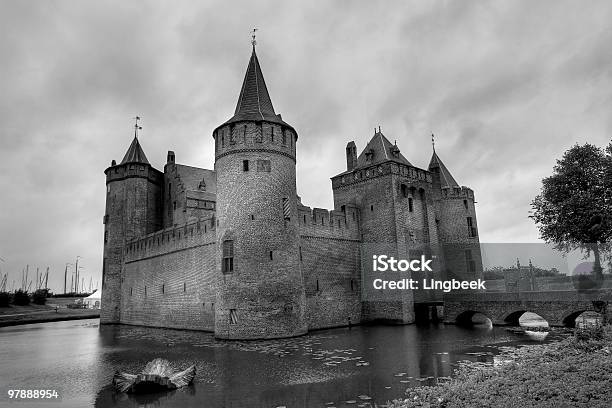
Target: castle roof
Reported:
[(446, 178), (135, 154), (379, 149), (254, 102)]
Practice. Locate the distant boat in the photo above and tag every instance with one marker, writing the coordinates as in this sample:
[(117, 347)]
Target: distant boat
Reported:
[(157, 375)]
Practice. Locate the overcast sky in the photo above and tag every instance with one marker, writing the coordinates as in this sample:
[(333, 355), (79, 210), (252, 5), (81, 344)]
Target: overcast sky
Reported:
[(505, 86)]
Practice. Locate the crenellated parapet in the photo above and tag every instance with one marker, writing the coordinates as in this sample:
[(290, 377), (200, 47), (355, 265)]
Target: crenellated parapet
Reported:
[(181, 237), (463, 192), (411, 173), (118, 172), (319, 222), (255, 136)]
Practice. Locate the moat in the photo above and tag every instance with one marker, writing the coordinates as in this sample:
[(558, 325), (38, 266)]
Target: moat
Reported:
[(338, 367)]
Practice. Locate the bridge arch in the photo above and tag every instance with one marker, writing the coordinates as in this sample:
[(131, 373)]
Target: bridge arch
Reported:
[(466, 318), (569, 318), (513, 318)]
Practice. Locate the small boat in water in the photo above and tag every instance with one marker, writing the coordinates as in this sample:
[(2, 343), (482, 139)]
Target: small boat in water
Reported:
[(158, 375)]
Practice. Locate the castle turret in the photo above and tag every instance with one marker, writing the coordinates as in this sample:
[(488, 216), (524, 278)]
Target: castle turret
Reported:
[(261, 294), (457, 227), (133, 209)]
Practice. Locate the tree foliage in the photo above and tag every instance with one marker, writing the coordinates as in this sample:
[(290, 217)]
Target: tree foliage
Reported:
[(574, 207)]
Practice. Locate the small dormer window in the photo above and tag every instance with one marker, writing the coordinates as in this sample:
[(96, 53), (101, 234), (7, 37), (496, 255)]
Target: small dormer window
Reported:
[(395, 151), (369, 155), (202, 185)]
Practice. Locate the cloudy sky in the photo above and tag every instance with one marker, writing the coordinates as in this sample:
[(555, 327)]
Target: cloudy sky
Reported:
[(505, 86)]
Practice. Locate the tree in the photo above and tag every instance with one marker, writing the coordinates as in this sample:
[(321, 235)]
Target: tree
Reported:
[(573, 209)]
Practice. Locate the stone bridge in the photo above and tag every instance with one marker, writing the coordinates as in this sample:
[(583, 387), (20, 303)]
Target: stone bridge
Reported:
[(559, 308)]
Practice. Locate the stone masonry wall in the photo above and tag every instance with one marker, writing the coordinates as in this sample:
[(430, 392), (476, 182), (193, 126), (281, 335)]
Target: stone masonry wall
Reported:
[(329, 254), (169, 278)]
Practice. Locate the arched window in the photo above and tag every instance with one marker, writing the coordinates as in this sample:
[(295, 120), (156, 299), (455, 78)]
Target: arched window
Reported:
[(228, 257)]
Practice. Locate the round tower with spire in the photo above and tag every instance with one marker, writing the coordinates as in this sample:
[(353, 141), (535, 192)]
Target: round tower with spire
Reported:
[(457, 226), (261, 294), (133, 209)]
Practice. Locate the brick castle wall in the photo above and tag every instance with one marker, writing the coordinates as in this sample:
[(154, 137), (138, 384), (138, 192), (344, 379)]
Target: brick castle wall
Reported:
[(329, 254), (169, 278)]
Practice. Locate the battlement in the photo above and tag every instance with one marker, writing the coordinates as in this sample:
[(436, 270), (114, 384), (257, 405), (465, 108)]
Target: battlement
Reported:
[(253, 136), (201, 232), (319, 222), (360, 175), (457, 192), (128, 170)]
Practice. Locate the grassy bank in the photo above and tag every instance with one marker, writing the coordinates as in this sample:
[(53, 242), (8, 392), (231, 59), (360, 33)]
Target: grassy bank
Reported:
[(575, 372), (16, 315)]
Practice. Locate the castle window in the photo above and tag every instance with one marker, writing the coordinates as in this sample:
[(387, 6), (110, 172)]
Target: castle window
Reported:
[(304, 218), (145, 291), (245, 165), (184, 286), (317, 285), (300, 254), (252, 217), (228, 256), (174, 205), (264, 165), (163, 288), (471, 264), (271, 255), (105, 237), (471, 230), (108, 189), (284, 138), (410, 205), (465, 204), (233, 316), (272, 135), (371, 208), (404, 189), (130, 291), (286, 209), (352, 285)]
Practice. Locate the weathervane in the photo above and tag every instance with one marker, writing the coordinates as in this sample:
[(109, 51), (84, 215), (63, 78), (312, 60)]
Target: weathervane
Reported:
[(253, 41), (137, 127), (433, 142)]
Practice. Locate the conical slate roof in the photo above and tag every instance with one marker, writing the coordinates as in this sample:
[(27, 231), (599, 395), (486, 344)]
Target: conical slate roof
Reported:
[(380, 149), (254, 102), (135, 154), (446, 178)]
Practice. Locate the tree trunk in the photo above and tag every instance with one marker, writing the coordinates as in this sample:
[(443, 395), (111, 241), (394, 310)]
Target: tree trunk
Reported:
[(597, 269)]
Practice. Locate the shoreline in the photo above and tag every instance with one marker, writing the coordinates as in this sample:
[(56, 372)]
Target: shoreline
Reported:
[(571, 372), (48, 316)]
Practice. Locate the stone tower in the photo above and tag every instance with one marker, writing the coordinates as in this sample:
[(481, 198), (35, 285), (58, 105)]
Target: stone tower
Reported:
[(396, 217), (261, 294), (457, 227), (133, 209)]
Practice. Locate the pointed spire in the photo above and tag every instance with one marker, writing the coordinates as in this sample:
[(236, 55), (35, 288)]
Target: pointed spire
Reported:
[(446, 178), (135, 154), (254, 102)]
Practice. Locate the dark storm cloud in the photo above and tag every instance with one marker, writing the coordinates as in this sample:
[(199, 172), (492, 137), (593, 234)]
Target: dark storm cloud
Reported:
[(505, 86)]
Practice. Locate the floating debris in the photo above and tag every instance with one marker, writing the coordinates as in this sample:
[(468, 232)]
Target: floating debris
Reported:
[(156, 376)]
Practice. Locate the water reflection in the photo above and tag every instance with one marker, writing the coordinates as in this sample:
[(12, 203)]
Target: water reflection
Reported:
[(366, 364)]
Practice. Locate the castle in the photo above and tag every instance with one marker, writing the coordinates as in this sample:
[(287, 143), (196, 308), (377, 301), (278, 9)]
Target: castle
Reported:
[(234, 251)]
